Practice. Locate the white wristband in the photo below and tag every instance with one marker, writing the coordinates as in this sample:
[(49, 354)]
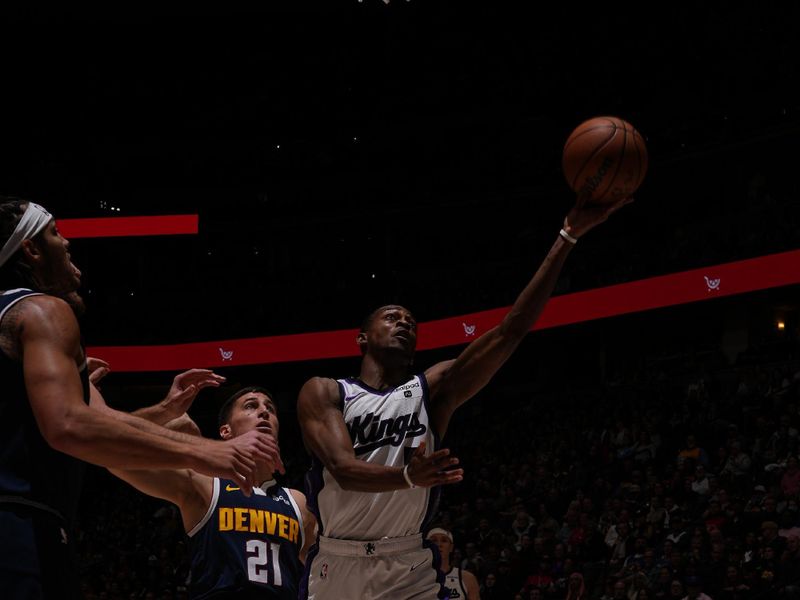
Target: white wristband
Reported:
[(568, 237), (407, 478)]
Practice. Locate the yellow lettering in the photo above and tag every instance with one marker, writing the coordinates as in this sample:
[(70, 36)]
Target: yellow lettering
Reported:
[(225, 519), (271, 520), (241, 514), (257, 520), (284, 530), (294, 529)]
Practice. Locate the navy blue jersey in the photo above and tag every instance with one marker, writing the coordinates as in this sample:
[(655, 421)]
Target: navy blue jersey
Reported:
[(247, 546), (39, 489)]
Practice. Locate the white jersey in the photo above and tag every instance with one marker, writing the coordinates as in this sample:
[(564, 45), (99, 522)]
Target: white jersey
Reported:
[(385, 428), (454, 584)]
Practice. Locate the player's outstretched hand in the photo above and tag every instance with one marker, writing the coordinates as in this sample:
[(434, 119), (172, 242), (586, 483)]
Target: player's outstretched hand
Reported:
[(584, 217), (185, 388), (241, 459), (428, 471), (98, 368)]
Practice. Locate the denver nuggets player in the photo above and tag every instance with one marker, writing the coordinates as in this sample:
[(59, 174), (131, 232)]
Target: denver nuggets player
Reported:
[(242, 546), (374, 441)]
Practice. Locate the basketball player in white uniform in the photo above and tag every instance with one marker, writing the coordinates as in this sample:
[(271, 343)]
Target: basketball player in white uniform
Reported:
[(374, 441), (460, 584)]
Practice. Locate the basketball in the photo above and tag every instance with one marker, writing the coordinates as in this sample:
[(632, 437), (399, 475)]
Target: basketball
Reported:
[(604, 158)]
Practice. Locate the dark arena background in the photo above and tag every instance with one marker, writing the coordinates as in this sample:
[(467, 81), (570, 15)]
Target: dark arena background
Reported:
[(345, 156)]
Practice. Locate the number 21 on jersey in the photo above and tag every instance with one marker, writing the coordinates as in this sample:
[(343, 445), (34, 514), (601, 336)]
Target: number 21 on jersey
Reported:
[(259, 554)]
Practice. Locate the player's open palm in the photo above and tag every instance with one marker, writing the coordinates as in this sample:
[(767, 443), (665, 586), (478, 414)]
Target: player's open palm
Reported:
[(429, 471)]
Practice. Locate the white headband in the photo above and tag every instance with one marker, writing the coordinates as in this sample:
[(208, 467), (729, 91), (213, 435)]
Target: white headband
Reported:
[(440, 531), (34, 219)]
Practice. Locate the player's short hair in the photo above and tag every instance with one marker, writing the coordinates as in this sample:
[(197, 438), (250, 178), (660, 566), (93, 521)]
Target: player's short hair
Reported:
[(227, 407), (367, 321)]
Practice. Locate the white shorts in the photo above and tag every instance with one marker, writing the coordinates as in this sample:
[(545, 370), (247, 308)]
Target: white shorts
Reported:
[(396, 568)]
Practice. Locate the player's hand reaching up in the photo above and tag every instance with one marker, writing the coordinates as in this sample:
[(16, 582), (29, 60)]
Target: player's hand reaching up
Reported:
[(585, 216), (244, 459), (429, 471), (184, 390), (98, 368)]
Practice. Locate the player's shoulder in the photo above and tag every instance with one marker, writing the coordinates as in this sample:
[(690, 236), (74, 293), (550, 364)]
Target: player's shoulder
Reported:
[(298, 496), (44, 314), (435, 374), (320, 389), (37, 304)]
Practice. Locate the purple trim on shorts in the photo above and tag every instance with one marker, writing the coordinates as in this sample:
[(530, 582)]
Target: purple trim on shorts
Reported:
[(437, 564), (310, 556)]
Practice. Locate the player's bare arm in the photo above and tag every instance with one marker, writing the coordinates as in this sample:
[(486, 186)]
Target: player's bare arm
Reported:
[(190, 491), (266, 441), (325, 434), (50, 351), (454, 382), (309, 523), (471, 585), (171, 411), (182, 393)]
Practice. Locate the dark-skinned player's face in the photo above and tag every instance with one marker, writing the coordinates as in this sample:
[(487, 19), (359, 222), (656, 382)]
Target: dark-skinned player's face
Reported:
[(391, 328)]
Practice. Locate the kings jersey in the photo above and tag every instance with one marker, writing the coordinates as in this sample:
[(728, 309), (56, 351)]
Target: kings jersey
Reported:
[(386, 428)]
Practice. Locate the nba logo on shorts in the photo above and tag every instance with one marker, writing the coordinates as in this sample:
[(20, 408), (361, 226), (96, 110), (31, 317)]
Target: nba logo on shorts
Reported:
[(323, 573)]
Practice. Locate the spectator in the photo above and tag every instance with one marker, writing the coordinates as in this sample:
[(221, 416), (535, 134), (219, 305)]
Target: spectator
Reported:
[(790, 481), (692, 452), (701, 484), (694, 590)]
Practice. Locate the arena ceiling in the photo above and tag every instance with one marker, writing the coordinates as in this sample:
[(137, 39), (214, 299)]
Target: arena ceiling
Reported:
[(365, 152)]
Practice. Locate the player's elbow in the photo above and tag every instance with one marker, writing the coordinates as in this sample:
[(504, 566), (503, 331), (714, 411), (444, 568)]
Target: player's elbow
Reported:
[(60, 436), (64, 434)]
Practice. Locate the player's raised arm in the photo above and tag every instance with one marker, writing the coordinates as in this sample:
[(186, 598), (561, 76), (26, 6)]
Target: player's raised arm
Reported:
[(50, 348), (325, 435), (453, 382), (184, 389)]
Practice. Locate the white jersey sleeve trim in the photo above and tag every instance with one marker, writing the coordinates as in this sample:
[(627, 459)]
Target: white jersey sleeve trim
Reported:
[(211, 508)]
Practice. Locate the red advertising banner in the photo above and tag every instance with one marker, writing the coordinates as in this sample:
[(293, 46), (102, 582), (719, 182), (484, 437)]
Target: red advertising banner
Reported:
[(128, 226), (656, 292)]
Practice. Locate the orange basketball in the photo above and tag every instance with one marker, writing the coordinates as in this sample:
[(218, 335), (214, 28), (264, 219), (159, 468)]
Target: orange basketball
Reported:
[(605, 158)]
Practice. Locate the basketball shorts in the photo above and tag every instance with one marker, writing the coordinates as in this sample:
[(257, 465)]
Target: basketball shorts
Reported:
[(398, 568), (36, 563)]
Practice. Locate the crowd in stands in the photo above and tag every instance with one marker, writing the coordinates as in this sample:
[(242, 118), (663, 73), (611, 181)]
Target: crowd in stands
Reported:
[(657, 486)]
